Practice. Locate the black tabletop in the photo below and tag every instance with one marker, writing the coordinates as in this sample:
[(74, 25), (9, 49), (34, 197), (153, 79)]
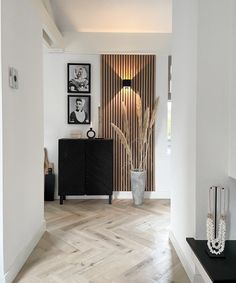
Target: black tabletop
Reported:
[(218, 269), (87, 139)]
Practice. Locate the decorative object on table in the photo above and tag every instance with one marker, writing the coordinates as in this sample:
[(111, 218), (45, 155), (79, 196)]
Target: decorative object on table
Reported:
[(48, 167), (79, 109), (46, 161), (49, 178), (76, 134), (91, 134), (13, 78), (79, 77), (99, 122), (145, 128), (216, 221), (138, 184)]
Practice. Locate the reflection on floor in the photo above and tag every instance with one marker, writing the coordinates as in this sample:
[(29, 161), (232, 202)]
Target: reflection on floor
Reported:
[(89, 241)]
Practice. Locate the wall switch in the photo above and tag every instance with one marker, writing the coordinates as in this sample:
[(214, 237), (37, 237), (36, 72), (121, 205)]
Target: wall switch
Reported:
[(13, 78)]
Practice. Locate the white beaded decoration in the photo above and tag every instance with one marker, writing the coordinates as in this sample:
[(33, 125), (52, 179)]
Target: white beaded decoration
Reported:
[(216, 245)]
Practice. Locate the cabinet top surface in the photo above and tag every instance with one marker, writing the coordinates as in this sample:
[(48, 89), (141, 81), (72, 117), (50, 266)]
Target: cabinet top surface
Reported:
[(84, 139), (218, 269)]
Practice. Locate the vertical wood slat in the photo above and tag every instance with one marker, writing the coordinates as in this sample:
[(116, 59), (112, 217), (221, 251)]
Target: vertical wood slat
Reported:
[(141, 69)]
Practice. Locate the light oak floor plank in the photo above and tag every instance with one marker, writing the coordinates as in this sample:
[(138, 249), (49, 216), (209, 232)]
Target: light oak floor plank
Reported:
[(90, 241)]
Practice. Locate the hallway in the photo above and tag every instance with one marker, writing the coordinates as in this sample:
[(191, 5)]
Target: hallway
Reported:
[(89, 241)]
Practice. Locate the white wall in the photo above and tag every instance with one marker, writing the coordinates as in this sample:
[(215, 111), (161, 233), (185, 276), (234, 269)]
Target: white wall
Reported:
[(162, 159), (1, 157), (212, 103), (105, 43), (183, 162), (203, 31), (232, 125), (232, 101), (55, 104), (23, 214)]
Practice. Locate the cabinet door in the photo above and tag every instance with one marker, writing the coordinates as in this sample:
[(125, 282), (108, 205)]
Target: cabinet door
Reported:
[(99, 161), (71, 167)]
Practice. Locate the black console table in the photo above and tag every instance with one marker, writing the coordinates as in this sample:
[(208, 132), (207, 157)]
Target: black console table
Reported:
[(217, 269), (85, 167)]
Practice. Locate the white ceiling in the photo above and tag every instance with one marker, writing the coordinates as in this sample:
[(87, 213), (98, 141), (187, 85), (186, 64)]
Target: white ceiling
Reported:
[(141, 16)]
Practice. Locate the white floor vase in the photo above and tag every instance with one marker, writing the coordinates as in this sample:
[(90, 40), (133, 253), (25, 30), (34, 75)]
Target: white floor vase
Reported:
[(138, 184)]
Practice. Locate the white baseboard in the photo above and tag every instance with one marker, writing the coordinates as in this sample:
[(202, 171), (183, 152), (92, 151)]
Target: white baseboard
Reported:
[(147, 195), (127, 195), (23, 255), (201, 275), (190, 272)]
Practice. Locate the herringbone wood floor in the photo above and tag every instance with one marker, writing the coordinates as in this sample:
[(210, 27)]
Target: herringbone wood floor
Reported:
[(89, 241)]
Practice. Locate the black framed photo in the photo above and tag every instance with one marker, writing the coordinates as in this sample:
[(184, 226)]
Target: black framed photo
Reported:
[(78, 78), (79, 109)]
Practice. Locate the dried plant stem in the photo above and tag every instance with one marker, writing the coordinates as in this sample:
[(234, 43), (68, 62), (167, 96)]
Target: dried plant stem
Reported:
[(46, 161), (145, 125), (146, 149), (125, 143), (151, 124), (144, 136), (145, 129), (141, 158), (154, 112), (126, 123), (139, 114)]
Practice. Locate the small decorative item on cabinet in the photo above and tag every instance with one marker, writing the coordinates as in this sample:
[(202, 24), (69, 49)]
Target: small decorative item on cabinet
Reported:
[(76, 134), (99, 122), (91, 134)]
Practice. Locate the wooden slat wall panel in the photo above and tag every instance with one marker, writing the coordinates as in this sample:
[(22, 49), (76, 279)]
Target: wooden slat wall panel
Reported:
[(141, 69)]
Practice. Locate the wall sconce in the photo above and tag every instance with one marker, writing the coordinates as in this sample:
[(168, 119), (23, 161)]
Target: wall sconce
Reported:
[(126, 83)]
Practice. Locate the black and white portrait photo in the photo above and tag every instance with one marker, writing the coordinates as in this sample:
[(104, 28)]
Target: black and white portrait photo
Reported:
[(79, 80), (79, 109)]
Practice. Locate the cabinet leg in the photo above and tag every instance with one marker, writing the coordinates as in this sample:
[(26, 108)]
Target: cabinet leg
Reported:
[(61, 199), (64, 197), (110, 199)]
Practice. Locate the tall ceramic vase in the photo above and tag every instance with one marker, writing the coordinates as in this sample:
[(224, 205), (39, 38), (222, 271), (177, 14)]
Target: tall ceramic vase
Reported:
[(138, 184)]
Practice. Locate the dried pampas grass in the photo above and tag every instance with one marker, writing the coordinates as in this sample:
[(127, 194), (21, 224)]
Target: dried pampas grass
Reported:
[(139, 107), (151, 124), (139, 113), (145, 125), (126, 122), (144, 135), (124, 142), (154, 112)]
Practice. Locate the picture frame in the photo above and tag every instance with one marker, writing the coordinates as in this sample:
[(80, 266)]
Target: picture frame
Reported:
[(79, 109), (79, 78)]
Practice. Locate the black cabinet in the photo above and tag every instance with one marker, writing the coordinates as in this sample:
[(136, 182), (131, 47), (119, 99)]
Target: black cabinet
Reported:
[(85, 167), (218, 269)]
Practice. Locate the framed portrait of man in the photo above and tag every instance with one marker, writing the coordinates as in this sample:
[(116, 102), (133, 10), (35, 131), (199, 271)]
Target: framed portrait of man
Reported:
[(79, 109), (78, 78)]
